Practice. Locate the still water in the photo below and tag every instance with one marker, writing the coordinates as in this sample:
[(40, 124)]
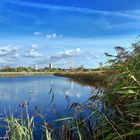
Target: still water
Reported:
[(49, 95)]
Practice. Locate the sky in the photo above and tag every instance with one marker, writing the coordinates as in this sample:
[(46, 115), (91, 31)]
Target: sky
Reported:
[(66, 33)]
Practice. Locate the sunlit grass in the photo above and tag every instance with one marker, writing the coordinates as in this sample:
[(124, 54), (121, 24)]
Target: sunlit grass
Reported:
[(97, 78)]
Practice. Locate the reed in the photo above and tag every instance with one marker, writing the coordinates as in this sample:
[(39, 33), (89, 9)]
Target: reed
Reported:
[(97, 78)]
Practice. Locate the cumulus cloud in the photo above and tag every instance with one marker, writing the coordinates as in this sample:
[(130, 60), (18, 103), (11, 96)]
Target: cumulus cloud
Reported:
[(37, 33), (3, 61), (72, 53), (34, 46), (16, 55), (8, 51), (8, 54), (53, 36), (32, 52), (71, 57), (67, 54), (62, 55)]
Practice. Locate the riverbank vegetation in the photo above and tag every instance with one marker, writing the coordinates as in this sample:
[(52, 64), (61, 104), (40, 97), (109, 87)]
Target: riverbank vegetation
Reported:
[(94, 78), (114, 114), (17, 74), (47, 69)]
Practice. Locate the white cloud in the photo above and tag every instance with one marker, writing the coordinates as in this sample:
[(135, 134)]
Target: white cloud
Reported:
[(8, 54), (53, 36), (38, 33), (73, 52), (8, 51), (67, 54), (77, 9), (66, 57), (34, 46), (135, 12), (2, 61), (16, 55), (32, 52)]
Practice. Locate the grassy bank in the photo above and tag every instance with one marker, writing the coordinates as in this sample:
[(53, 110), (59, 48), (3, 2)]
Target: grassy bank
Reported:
[(96, 78), (16, 74)]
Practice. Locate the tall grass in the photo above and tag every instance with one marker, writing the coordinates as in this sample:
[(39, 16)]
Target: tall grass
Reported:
[(19, 128), (96, 78), (123, 92)]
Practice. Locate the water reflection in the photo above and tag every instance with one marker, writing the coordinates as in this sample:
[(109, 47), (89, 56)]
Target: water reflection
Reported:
[(50, 95)]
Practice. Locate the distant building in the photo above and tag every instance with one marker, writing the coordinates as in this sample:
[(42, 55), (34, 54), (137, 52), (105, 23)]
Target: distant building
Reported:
[(50, 65), (36, 67), (82, 67), (2, 67)]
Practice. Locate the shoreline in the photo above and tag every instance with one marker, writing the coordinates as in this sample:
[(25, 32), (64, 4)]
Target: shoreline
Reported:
[(97, 78), (16, 74)]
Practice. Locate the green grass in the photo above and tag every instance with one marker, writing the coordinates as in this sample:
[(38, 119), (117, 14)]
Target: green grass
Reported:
[(17, 74), (97, 78)]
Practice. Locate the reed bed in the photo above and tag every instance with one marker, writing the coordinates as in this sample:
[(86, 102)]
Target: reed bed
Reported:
[(97, 78)]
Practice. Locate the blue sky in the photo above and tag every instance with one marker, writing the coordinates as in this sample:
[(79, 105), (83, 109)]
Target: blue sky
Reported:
[(65, 32)]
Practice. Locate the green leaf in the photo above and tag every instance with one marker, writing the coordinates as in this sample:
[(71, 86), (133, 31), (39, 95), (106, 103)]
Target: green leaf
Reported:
[(64, 119)]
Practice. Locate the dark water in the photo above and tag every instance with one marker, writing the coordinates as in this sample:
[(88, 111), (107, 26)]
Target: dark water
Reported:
[(49, 95)]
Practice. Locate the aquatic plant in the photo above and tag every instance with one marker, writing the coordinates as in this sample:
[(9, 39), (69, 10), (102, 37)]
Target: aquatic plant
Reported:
[(20, 128), (123, 92)]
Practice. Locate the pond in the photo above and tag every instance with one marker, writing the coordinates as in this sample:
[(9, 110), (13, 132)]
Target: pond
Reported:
[(49, 95)]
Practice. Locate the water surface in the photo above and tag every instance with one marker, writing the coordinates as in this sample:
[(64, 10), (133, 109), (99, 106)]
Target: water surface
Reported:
[(42, 92)]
